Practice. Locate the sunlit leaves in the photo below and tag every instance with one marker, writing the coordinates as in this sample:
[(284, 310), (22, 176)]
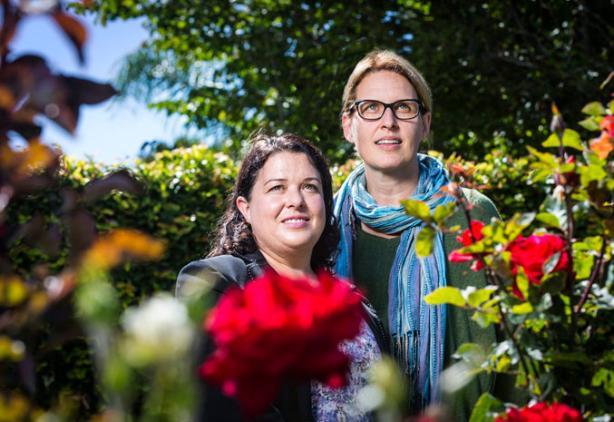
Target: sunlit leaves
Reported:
[(594, 108), (442, 212), (594, 171), (445, 295), (604, 377), (418, 209), (476, 297), (424, 241), (571, 139), (549, 219), (522, 308)]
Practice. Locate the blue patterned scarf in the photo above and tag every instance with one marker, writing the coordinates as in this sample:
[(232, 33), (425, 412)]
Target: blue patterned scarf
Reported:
[(417, 330)]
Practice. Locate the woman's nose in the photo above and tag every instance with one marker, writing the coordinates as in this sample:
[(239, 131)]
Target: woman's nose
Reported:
[(295, 197), (389, 119)]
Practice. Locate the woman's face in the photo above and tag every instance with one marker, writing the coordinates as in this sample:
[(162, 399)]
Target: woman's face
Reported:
[(286, 207), (387, 145)]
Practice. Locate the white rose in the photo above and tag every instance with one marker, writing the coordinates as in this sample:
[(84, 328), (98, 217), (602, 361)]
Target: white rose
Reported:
[(158, 330)]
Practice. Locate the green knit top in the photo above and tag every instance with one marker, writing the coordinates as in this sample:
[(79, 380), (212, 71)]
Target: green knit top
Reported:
[(372, 258)]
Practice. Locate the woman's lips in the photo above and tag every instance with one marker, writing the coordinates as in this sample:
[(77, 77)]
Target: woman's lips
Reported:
[(296, 222)]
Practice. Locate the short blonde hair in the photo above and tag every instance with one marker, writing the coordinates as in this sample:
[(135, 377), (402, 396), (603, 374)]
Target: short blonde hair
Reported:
[(378, 60)]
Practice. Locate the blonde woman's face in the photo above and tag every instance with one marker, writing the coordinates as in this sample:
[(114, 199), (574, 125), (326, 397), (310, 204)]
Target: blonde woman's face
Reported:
[(387, 145)]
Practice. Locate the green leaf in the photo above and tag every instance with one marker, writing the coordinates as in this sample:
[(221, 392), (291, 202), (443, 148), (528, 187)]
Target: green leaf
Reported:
[(477, 297), (522, 282), (523, 308), (551, 263), (472, 353), (589, 124), (544, 157), (417, 209), (571, 139), (594, 172), (445, 295), (503, 364), (594, 109), (486, 404), (442, 212), (424, 241), (548, 219), (552, 205), (485, 318), (604, 377)]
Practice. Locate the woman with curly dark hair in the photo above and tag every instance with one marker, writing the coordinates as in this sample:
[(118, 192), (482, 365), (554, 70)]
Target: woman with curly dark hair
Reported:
[(235, 234), (280, 216)]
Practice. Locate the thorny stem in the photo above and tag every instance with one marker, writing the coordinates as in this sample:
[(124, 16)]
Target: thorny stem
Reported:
[(597, 269)]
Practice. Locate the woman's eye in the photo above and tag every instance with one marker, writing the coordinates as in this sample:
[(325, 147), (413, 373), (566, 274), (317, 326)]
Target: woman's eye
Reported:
[(312, 187), (275, 188)]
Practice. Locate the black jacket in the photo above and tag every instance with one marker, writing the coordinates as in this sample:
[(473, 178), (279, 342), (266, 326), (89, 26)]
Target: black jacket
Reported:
[(218, 273)]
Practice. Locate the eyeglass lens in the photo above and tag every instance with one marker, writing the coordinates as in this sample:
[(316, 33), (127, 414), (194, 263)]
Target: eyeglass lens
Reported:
[(373, 110)]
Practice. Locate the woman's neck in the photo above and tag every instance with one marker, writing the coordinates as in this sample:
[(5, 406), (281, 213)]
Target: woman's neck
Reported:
[(391, 188), (295, 267)]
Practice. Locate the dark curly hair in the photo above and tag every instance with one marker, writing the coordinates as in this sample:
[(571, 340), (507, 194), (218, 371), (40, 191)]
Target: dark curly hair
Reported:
[(234, 235)]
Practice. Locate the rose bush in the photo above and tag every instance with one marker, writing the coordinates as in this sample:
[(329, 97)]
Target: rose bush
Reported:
[(279, 329), (550, 278)]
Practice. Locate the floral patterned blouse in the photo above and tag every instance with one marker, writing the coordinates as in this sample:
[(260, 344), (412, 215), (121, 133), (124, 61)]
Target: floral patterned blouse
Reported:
[(331, 404)]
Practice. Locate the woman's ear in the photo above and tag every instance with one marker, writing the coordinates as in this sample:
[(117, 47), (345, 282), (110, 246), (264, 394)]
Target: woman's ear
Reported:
[(243, 206), (426, 123), (346, 123)]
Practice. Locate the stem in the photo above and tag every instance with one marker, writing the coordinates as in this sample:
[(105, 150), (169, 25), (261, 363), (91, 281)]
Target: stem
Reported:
[(522, 356), (594, 274), (570, 277)]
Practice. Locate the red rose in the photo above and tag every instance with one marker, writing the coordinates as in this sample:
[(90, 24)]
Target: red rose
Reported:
[(531, 253), (541, 412), (279, 328), (467, 238)]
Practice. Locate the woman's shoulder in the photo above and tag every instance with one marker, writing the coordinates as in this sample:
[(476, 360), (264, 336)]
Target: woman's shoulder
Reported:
[(217, 273)]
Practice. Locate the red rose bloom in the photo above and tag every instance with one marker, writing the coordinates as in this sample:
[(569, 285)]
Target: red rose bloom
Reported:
[(531, 253), (279, 328), (467, 238), (541, 412)]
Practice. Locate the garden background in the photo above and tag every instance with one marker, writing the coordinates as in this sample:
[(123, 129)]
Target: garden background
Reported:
[(231, 68)]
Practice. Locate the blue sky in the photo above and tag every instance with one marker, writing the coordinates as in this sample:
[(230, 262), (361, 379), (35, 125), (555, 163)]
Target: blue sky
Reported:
[(112, 131)]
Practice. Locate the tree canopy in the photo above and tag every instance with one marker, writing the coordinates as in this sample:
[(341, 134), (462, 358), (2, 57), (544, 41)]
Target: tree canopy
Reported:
[(494, 67)]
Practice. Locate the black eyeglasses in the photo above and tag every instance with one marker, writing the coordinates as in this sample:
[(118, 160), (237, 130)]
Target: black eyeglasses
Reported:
[(374, 110)]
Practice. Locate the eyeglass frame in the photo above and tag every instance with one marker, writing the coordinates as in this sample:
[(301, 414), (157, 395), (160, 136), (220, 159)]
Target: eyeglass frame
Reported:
[(421, 108)]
